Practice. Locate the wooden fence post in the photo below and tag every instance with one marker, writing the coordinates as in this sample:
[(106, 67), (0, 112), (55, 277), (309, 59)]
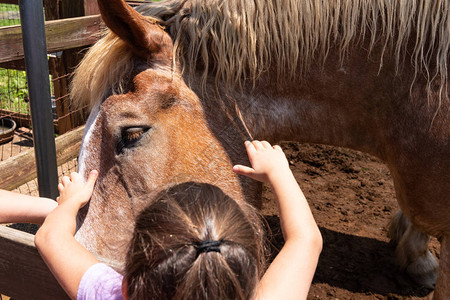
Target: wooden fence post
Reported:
[(61, 67)]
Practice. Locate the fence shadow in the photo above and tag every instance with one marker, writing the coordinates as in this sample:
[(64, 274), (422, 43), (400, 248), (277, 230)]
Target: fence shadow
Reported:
[(357, 264)]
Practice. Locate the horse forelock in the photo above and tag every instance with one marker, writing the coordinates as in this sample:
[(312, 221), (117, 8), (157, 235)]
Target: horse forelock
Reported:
[(237, 40), (102, 70)]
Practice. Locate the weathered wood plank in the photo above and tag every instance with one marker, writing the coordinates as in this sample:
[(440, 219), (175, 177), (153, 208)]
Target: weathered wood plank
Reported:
[(51, 9), (71, 8), (91, 7), (10, 2), (23, 273), (21, 119), (60, 89), (60, 34), (14, 64), (20, 169)]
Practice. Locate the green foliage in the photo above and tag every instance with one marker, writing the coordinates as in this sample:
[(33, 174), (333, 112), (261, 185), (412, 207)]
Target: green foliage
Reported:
[(9, 22), (13, 83), (9, 15), (9, 7), (13, 90)]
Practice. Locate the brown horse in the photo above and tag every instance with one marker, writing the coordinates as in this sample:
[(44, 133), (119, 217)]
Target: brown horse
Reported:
[(174, 96)]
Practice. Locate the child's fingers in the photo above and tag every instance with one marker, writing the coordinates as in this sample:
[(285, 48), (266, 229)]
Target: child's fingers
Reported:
[(75, 176), (92, 178), (60, 187), (278, 148), (243, 170), (65, 180), (258, 145), (249, 147), (266, 145)]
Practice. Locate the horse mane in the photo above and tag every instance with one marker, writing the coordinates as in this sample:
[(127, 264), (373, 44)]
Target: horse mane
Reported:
[(237, 40)]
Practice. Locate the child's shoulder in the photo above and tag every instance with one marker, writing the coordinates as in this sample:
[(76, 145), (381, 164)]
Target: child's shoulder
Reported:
[(100, 281)]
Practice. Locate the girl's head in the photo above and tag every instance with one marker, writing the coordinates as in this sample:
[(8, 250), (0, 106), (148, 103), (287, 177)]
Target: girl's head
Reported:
[(195, 242)]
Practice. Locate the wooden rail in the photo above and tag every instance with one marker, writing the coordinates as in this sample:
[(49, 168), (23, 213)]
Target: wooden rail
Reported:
[(16, 2), (21, 168), (21, 119), (24, 274), (60, 34)]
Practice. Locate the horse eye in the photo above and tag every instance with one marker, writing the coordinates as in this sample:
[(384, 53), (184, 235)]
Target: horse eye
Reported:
[(129, 137)]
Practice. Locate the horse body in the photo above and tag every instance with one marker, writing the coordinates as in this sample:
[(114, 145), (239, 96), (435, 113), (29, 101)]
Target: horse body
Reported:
[(381, 117), (159, 130), (385, 119)]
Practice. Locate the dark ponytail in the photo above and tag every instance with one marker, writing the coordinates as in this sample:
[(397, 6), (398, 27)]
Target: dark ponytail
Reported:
[(195, 242)]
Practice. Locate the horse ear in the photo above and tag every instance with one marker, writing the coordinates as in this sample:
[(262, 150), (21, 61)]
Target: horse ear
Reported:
[(146, 38)]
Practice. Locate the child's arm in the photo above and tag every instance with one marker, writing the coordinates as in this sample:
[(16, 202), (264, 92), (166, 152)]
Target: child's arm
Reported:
[(290, 274), (66, 258), (18, 208)]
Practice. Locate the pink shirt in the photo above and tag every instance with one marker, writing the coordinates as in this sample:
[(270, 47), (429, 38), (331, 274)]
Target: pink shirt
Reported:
[(100, 282)]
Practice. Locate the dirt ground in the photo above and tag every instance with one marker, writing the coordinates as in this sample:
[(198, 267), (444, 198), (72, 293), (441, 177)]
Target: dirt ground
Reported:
[(352, 197)]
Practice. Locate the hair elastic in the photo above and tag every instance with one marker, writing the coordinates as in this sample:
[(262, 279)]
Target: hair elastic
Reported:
[(208, 246)]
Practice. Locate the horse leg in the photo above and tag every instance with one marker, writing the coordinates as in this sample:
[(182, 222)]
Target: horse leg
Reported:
[(442, 291), (412, 253)]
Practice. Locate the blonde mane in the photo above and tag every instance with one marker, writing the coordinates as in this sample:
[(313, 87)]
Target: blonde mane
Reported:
[(237, 40)]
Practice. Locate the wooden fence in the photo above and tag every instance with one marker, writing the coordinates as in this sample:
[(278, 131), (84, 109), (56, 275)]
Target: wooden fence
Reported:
[(20, 169), (23, 274), (61, 35), (73, 24), (66, 38)]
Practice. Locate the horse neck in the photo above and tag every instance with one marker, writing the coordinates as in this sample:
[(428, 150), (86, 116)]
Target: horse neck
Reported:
[(305, 116), (336, 105)]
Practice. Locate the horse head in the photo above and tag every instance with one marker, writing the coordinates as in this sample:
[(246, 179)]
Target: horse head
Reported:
[(149, 133)]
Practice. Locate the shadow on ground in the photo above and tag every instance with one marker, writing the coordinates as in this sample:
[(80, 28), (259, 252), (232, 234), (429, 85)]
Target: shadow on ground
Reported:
[(357, 264)]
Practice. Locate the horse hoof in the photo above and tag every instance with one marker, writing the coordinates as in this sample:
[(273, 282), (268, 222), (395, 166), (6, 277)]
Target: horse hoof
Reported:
[(424, 270)]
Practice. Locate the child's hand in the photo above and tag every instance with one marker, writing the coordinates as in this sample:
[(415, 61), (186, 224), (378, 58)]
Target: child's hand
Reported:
[(267, 162), (66, 258), (74, 190)]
